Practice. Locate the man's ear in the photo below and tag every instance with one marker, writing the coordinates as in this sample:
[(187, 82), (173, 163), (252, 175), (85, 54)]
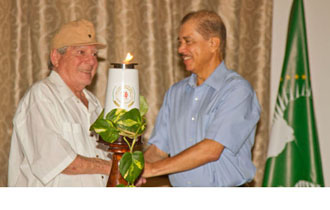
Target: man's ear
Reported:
[(215, 43), (55, 57)]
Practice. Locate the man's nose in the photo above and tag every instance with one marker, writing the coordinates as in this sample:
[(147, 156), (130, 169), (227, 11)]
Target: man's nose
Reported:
[(91, 59), (181, 48)]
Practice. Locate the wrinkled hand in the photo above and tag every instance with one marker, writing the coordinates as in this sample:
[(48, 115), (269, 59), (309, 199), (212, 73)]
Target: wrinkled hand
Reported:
[(145, 174), (140, 181)]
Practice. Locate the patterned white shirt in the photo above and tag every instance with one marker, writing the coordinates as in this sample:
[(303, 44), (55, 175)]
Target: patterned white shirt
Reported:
[(51, 126)]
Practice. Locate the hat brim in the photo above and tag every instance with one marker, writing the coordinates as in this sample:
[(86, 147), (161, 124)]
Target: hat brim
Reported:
[(97, 45)]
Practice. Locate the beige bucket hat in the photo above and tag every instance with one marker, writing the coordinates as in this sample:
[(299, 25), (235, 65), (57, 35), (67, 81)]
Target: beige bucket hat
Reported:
[(76, 33)]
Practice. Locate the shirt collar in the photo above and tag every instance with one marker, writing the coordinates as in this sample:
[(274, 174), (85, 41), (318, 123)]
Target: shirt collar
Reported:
[(65, 91), (215, 80)]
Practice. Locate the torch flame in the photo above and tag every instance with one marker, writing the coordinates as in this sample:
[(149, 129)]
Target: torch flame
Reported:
[(128, 58)]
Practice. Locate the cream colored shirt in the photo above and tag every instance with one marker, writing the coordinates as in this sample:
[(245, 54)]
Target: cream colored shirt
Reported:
[(51, 126)]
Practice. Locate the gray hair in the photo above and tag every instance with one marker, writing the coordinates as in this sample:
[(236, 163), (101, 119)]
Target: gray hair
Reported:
[(209, 24), (61, 51)]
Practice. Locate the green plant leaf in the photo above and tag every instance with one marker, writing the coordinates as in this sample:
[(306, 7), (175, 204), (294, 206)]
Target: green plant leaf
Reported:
[(133, 114), (115, 114), (141, 129), (131, 165), (143, 106), (111, 115), (130, 121), (106, 130), (98, 118), (101, 116)]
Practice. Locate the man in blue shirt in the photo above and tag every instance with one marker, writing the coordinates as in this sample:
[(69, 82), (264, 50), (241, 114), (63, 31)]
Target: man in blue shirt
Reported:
[(206, 126)]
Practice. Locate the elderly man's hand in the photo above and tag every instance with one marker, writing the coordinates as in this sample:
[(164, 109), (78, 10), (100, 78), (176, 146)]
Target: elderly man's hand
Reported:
[(140, 181), (145, 174)]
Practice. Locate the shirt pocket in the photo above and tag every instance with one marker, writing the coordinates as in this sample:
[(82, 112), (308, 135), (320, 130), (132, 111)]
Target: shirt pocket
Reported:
[(75, 135)]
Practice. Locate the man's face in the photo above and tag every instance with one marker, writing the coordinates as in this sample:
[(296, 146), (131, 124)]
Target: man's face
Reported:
[(78, 66), (193, 48)]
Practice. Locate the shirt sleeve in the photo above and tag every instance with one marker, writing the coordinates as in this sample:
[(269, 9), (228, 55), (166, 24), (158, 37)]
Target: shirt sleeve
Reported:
[(235, 118), (39, 134), (159, 136)]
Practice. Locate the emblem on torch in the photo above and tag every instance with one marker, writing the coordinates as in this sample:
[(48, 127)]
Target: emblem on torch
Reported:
[(123, 95)]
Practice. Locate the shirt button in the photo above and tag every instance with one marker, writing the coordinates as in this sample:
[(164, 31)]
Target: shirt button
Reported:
[(192, 118), (102, 177), (97, 156), (189, 182), (196, 99)]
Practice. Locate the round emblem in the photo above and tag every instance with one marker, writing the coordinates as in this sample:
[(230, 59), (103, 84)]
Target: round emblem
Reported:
[(123, 95)]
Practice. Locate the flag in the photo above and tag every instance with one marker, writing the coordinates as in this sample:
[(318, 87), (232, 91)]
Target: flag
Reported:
[(293, 158)]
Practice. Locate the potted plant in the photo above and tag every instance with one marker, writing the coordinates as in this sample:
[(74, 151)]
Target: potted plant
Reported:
[(130, 125)]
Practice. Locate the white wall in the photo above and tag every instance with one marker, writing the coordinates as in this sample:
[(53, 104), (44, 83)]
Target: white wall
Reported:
[(317, 16)]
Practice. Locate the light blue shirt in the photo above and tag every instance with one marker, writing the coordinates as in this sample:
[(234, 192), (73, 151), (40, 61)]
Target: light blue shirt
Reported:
[(224, 108)]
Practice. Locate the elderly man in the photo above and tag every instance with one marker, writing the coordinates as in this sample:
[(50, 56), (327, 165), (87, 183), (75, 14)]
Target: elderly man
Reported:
[(206, 126), (51, 143)]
